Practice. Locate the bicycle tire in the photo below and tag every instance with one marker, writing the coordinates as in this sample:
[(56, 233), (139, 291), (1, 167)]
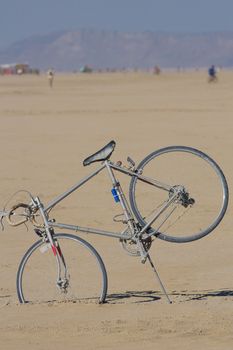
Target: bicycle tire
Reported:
[(206, 163), (85, 269)]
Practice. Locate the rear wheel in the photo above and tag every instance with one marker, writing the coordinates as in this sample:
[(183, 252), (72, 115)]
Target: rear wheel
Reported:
[(42, 277), (200, 183)]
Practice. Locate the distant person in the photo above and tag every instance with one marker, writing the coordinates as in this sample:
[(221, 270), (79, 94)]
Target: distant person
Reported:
[(157, 70), (212, 74), (50, 75)]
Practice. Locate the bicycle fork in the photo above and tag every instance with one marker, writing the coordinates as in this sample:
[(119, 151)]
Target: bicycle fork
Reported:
[(62, 274)]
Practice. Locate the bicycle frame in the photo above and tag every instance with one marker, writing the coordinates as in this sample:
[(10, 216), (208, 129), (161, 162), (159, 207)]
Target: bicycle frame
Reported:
[(131, 230)]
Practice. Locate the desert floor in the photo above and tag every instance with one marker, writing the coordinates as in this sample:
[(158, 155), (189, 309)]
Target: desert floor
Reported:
[(44, 136)]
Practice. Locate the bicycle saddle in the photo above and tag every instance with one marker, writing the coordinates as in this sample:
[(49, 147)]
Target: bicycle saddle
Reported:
[(103, 154)]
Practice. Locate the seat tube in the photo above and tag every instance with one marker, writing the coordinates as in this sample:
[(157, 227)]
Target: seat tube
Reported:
[(124, 204)]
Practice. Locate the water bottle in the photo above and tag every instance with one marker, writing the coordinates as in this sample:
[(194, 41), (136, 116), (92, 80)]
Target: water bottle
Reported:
[(115, 195)]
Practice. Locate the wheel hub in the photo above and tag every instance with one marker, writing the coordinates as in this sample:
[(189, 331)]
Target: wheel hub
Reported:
[(183, 197)]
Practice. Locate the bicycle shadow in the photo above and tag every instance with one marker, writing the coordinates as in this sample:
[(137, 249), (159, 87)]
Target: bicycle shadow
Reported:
[(134, 297), (202, 295), (150, 296)]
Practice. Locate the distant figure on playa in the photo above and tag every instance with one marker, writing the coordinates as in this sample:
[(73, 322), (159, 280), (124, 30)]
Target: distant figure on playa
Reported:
[(157, 70), (212, 74), (50, 75)]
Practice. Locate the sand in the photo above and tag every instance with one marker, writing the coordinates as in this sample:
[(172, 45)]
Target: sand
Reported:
[(44, 136)]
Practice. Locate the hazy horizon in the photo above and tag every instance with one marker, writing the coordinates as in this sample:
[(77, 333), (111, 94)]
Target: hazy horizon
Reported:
[(22, 19)]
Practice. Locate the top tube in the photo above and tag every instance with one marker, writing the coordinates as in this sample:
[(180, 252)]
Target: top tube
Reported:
[(148, 180)]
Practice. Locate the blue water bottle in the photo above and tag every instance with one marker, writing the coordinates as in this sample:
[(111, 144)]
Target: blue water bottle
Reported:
[(115, 195)]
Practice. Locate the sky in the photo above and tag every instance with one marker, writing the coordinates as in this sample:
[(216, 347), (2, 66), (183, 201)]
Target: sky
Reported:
[(20, 19)]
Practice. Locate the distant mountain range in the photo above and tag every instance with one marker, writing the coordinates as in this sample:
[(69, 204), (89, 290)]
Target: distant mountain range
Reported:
[(70, 50)]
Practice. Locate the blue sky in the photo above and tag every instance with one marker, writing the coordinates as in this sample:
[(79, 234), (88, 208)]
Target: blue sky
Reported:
[(20, 19)]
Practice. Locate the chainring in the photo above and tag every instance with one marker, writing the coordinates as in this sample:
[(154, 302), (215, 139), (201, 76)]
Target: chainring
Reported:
[(131, 247)]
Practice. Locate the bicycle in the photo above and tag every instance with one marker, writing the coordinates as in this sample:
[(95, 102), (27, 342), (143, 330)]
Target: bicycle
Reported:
[(177, 194)]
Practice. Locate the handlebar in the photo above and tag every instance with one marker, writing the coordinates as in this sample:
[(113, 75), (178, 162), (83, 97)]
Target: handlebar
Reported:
[(26, 215)]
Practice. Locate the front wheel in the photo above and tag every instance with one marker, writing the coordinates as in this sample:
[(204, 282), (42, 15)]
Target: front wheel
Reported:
[(188, 184), (80, 274)]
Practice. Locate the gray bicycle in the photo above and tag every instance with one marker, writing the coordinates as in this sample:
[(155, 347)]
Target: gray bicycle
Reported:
[(177, 194)]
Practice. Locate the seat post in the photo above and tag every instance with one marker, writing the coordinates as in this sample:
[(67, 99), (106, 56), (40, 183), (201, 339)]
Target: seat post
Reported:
[(110, 173), (124, 204)]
